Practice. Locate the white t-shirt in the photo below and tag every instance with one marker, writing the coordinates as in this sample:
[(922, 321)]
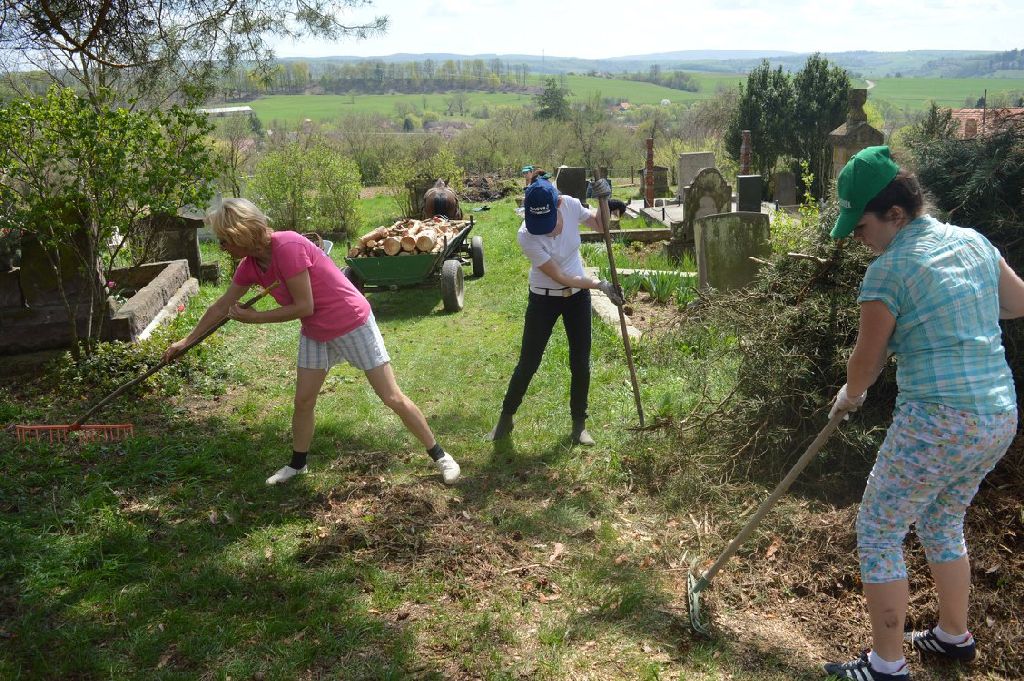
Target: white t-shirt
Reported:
[(564, 249)]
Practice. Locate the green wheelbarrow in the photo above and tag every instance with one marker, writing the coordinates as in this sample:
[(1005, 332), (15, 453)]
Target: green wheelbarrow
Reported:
[(393, 272)]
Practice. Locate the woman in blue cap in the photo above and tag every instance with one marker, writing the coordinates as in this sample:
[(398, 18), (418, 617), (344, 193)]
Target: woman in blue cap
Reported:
[(934, 298), (550, 239)]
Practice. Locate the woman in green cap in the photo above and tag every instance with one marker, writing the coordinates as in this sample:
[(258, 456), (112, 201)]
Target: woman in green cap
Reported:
[(933, 297)]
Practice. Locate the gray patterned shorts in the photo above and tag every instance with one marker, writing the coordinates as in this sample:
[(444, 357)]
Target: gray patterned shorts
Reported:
[(362, 347)]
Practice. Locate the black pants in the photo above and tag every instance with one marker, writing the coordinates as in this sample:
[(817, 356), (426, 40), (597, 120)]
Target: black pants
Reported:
[(541, 314)]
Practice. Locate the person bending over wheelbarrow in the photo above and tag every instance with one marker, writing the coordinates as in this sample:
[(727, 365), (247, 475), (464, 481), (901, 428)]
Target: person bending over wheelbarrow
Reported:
[(550, 239), (336, 324), (933, 296)]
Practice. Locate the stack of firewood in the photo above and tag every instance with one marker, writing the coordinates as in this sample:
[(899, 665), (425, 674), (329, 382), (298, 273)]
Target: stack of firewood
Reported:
[(408, 237)]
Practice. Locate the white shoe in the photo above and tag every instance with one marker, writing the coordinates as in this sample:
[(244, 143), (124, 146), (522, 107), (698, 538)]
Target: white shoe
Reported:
[(286, 473), (449, 468)]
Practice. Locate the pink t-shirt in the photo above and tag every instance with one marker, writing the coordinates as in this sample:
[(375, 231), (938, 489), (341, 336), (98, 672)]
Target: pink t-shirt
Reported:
[(338, 307)]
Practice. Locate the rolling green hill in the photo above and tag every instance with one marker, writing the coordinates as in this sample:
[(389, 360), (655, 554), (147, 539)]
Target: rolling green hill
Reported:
[(914, 94), (911, 94), (291, 109)]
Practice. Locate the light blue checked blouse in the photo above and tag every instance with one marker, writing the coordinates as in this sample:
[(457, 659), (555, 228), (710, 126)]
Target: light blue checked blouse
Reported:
[(941, 282)]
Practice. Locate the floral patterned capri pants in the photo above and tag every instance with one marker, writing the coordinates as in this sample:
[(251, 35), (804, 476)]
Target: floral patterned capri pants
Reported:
[(928, 470)]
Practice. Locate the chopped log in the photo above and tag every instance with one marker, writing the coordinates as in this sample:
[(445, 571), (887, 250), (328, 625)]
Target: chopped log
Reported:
[(408, 243), (354, 252), (392, 245), (371, 244), (426, 240), (374, 235)]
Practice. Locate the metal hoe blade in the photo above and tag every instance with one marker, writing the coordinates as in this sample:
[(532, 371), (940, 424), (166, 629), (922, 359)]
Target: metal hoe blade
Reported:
[(693, 588), (694, 585)]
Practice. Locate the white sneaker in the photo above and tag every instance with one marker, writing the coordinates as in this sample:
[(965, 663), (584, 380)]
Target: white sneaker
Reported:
[(286, 473), (449, 468)]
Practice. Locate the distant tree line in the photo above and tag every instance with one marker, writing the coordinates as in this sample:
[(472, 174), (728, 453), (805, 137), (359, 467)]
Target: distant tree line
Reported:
[(1011, 60), (677, 80), (374, 76)]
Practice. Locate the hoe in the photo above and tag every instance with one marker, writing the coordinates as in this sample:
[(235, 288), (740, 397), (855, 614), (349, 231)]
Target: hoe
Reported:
[(696, 585)]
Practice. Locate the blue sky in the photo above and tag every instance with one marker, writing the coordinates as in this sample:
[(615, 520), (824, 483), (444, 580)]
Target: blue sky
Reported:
[(598, 28)]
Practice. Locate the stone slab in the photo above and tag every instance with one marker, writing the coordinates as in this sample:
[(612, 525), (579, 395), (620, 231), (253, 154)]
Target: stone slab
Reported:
[(688, 165), (748, 193), (646, 236), (725, 244)]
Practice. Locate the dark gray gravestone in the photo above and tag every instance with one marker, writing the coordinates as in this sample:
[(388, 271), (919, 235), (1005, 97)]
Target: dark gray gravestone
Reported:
[(572, 181), (725, 244), (785, 188), (748, 190)]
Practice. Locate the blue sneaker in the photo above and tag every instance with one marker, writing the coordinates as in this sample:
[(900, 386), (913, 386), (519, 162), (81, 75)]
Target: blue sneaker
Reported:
[(928, 642), (860, 670)]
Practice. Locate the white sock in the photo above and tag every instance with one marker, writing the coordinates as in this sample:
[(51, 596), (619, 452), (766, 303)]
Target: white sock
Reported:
[(950, 638), (884, 666)]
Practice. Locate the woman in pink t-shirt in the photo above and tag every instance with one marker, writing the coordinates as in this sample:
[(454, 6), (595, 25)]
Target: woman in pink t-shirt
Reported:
[(337, 323)]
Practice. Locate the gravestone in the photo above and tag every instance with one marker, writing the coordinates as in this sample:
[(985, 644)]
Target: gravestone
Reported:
[(748, 192), (176, 237), (660, 175), (34, 315), (687, 167), (709, 194), (785, 188), (572, 181), (725, 244)]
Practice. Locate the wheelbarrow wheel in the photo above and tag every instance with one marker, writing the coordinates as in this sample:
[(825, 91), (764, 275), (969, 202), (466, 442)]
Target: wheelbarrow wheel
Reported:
[(353, 277), (452, 285), (476, 251)]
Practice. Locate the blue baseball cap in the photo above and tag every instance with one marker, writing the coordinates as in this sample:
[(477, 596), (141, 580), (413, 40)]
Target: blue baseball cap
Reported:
[(540, 207)]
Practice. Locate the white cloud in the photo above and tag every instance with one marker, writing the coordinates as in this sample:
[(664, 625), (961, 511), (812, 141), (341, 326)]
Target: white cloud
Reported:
[(583, 28)]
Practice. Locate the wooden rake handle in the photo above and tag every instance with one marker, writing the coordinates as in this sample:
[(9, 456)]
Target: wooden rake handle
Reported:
[(164, 362), (766, 505), (605, 217)]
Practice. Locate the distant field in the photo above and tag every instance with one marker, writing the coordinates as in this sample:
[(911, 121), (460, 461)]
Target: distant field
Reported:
[(322, 108), (646, 93), (914, 94)]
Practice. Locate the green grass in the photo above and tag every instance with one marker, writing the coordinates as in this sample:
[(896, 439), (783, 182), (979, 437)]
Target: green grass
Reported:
[(167, 557), (291, 109), (915, 94)]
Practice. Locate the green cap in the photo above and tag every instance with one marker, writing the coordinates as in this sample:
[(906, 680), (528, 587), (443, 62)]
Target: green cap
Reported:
[(865, 175), (526, 169)]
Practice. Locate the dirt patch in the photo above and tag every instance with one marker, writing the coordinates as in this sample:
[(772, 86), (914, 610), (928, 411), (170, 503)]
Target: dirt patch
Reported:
[(799, 588), (651, 317), (408, 528)]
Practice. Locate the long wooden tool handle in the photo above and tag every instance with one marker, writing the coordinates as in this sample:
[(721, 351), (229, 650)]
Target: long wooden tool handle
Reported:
[(767, 504), (135, 381), (606, 224)]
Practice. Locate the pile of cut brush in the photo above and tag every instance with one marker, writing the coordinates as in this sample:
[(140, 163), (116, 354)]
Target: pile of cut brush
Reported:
[(488, 187), (408, 237)]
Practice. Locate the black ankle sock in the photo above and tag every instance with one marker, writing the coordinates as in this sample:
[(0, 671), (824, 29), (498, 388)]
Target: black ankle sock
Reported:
[(436, 452), (298, 459)]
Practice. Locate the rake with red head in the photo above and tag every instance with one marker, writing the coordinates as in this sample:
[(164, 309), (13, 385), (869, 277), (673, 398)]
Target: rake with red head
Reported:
[(113, 432)]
